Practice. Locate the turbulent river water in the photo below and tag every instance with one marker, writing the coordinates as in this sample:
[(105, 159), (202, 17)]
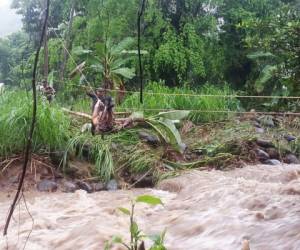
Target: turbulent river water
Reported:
[(210, 210)]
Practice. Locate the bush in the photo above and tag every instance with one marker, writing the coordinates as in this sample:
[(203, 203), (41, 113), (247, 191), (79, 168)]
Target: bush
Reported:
[(184, 99), (51, 132)]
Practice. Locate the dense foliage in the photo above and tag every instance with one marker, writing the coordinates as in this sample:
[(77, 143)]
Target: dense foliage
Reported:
[(253, 46)]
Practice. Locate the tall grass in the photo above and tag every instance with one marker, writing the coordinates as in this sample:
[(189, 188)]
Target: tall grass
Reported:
[(103, 152), (52, 127), (201, 106)]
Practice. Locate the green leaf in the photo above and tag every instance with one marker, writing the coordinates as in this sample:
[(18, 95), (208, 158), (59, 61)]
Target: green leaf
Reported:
[(167, 131), (124, 210), (125, 43), (97, 67), (127, 73), (117, 239), (119, 63), (174, 115), (137, 115), (134, 229), (150, 200), (266, 75), (81, 51)]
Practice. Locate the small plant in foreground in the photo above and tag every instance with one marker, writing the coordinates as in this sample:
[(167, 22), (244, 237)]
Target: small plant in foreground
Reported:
[(136, 236)]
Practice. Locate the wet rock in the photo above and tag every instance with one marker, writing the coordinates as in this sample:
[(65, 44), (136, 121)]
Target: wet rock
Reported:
[(262, 155), (264, 143), (273, 153), (69, 187), (273, 162), (112, 185), (291, 159), (85, 186), (290, 138), (149, 138), (99, 186), (47, 186)]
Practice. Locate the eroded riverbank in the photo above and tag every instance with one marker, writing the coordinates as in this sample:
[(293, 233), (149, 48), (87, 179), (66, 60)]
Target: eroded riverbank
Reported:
[(203, 210)]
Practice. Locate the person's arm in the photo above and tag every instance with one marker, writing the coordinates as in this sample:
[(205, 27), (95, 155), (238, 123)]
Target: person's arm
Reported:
[(90, 94)]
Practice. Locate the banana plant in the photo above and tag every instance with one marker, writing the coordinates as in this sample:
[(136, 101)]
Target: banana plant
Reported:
[(111, 61), (164, 125)]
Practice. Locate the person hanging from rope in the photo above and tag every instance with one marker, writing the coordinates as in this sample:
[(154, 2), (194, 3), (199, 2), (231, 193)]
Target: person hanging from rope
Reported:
[(47, 91), (102, 112)]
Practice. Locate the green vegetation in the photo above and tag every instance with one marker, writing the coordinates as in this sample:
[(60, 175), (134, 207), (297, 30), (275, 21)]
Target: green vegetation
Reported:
[(251, 45), (52, 129), (214, 48), (136, 236), (185, 98)]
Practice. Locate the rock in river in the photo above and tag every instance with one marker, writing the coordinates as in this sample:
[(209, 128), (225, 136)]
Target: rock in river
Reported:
[(112, 185), (262, 155), (47, 186), (99, 186), (291, 159), (69, 187), (85, 186), (273, 162)]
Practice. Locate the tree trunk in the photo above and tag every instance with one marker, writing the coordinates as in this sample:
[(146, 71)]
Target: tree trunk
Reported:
[(68, 44)]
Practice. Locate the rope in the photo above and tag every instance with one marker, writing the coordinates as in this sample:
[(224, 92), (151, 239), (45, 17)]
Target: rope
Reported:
[(169, 94), (202, 95), (215, 111)]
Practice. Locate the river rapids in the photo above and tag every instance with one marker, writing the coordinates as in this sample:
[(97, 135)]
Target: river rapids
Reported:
[(207, 210)]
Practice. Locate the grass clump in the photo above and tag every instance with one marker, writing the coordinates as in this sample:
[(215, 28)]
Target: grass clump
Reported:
[(51, 131), (184, 99), (104, 152)]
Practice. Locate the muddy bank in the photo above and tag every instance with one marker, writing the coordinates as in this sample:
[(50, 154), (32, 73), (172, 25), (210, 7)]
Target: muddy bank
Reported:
[(203, 210)]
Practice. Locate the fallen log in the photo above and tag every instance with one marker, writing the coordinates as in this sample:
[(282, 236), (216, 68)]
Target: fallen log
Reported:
[(80, 114), (87, 116), (120, 123)]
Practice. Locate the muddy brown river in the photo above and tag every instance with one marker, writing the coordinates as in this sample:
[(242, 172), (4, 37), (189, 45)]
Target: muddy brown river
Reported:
[(210, 210)]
